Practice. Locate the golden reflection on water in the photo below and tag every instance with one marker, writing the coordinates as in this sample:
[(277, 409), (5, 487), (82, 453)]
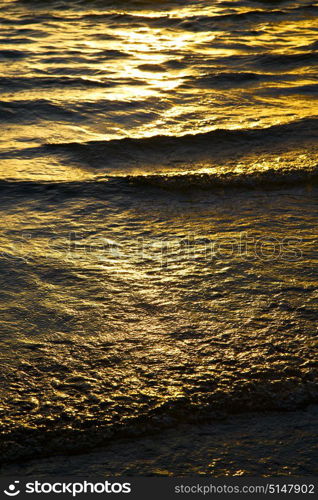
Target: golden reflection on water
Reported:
[(144, 67), (106, 332)]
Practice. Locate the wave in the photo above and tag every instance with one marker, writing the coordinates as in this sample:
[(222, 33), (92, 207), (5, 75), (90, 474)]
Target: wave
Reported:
[(269, 62), (28, 20), (24, 82), (198, 22), (303, 126), (29, 111), (271, 177), (232, 79), (310, 46), (70, 435), (98, 187), (133, 4), (278, 60), (12, 54), (188, 151), (161, 15), (309, 89), (25, 111), (223, 79), (215, 145), (203, 145), (18, 40)]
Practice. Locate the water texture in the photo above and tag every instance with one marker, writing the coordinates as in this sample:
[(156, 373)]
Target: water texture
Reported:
[(158, 180)]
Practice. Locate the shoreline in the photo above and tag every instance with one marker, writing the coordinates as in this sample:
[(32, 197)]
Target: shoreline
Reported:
[(266, 444)]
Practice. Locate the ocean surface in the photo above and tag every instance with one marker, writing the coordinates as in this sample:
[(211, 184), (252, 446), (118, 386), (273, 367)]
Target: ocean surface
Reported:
[(158, 243)]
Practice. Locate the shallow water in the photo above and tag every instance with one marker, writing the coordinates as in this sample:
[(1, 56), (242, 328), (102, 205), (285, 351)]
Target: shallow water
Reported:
[(159, 213), (225, 448)]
